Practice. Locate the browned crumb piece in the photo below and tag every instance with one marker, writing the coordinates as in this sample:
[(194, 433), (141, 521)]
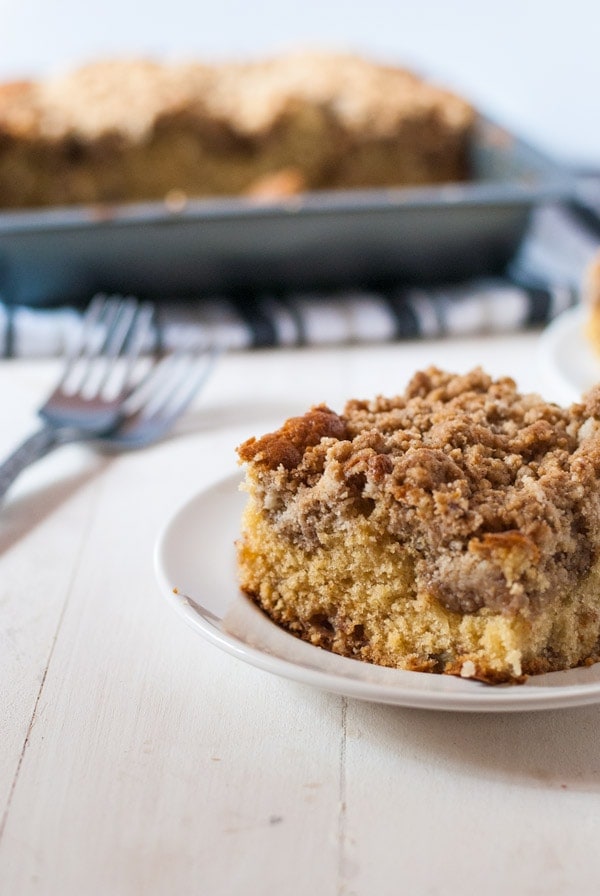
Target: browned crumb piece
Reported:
[(454, 528), (277, 185), (130, 130), (288, 446)]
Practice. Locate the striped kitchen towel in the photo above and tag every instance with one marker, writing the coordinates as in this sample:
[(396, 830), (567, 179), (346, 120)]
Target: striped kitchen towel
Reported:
[(542, 281)]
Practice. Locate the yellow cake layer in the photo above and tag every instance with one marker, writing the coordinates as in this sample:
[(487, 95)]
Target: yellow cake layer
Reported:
[(356, 595)]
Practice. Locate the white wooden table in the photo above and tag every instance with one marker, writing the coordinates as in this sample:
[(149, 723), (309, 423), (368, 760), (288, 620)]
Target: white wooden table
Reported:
[(137, 759)]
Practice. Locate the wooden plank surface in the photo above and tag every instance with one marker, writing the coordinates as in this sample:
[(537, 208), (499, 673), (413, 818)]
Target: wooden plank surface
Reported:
[(138, 759)]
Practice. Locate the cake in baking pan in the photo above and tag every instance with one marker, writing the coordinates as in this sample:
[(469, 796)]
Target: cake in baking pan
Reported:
[(454, 528), (134, 130)]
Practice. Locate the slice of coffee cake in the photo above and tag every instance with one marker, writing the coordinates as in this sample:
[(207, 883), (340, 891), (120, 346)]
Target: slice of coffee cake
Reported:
[(453, 529)]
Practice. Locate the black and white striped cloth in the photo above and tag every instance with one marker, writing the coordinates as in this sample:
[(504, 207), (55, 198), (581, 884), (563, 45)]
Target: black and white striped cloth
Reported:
[(542, 281)]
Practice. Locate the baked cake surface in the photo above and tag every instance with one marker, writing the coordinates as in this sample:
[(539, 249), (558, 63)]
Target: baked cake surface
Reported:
[(136, 130), (454, 528)]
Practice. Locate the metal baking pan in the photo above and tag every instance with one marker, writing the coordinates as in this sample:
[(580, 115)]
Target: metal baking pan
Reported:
[(325, 240)]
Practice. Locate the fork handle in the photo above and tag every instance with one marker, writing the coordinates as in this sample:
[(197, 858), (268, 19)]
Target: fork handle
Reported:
[(33, 448)]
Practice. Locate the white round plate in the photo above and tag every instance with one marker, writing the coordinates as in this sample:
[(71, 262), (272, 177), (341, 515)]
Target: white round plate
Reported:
[(195, 566), (568, 363)]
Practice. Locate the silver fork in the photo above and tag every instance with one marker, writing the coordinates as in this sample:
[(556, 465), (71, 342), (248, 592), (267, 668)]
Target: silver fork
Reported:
[(161, 398), (153, 406), (97, 379)]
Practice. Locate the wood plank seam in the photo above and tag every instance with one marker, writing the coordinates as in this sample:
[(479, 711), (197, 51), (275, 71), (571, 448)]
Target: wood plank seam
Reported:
[(85, 532), (342, 833)]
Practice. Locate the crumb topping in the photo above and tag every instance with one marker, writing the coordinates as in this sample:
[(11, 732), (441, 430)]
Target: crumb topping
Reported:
[(288, 445), (495, 492), (356, 92), (126, 98), (131, 97)]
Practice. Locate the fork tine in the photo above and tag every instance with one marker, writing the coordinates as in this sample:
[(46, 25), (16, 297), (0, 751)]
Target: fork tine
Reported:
[(170, 387), (150, 385), (182, 389), (122, 313), (117, 319), (130, 334), (138, 337), (113, 329), (92, 318), (100, 335), (202, 363)]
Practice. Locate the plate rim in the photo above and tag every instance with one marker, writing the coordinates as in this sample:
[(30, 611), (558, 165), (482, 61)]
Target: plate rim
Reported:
[(568, 324), (483, 698)]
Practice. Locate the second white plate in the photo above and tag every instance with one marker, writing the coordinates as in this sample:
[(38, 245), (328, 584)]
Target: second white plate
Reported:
[(568, 363)]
